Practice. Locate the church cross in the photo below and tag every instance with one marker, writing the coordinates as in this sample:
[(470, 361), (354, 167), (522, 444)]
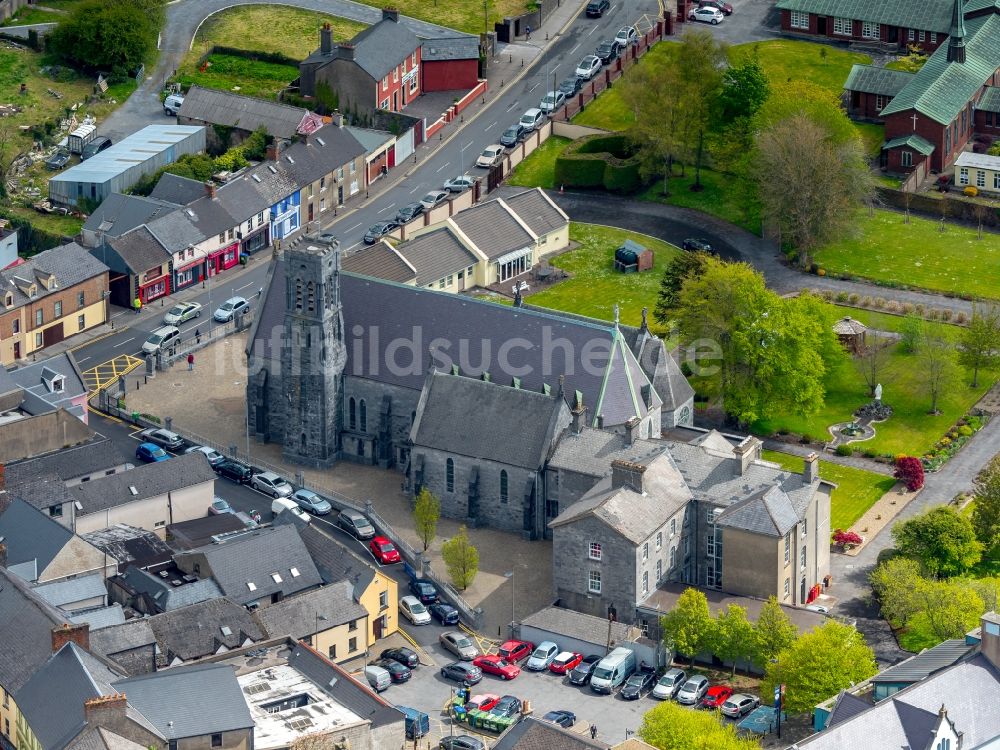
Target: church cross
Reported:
[(914, 118)]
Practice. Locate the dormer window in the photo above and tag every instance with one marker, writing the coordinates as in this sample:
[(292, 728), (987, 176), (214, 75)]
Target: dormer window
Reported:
[(57, 385), (8, 300)]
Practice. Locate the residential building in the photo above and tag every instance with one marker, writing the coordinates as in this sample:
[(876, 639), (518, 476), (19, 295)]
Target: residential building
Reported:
[(160, 588), (379, 144), (449, 63), (120, 213), (130, 644), (893, 22), (49, 385), (75, 595), (97, 457), (980, 171), (49, 297), (140, 266), (192, 633)]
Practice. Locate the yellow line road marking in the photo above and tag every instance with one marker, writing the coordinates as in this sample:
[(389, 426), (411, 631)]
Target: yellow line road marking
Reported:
[(99, 377)]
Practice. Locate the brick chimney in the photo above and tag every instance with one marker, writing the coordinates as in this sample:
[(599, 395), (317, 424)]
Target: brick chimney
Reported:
[(989, 638), (390, 14), (810, 473), (579, 412), (273, 149), (79, 634), (632, 427), (627, 473), (745, 454), (326, 39), (107, 711), (210, 189), (338, 119), (345, 51)]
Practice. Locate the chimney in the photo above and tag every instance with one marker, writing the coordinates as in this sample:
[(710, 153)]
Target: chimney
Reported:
[(3, 554), (579, 413), (79, 634), (345, 51), (106, 711), (338, 119), (745, 453), (326, 39), (627, 473), (632, 430), (810, 473), (989, 638), (273, 149), (210, 189), (390, 14)]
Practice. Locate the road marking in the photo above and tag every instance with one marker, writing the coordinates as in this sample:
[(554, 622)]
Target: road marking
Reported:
[(592, 31), (245, 286), (351, 229), (415, 189), (124, 342), (387, 208), (491, 125), (574, 49), (443, 166), (468, 144), (533, 88), (511, 107), (102, 375)]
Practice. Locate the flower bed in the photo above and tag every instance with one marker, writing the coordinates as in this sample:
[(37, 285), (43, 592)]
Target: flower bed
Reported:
[(952, 441)]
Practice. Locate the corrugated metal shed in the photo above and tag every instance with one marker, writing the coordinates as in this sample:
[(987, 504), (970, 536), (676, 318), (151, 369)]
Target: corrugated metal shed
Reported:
[(118, 168)]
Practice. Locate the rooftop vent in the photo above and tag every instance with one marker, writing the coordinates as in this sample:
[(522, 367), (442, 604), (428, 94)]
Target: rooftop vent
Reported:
[(163, 574)]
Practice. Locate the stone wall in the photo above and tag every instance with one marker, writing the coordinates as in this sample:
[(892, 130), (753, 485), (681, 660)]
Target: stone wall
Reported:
[(572, 566)]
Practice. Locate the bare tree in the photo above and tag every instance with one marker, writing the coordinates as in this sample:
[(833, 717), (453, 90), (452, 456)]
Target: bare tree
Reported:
[(873, 361), (979, 211), (937, 363)]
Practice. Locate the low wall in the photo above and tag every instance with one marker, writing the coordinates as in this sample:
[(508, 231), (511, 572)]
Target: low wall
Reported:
[(957, 209)]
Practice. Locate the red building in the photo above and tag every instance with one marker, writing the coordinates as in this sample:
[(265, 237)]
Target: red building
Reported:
[(450, 64)]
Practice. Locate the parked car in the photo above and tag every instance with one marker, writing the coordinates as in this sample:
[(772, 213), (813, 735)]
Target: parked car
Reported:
[(705, 14), (823, 610), (726, 8), (716, 696), (96, 146), (398, 672), (379, 230), (542, 656), (151, 453), (162, 338), (230, 309), (234, 471), (552, 101), (580, 674), (219, 507), (434, 198), (565, 719), (384, 551), (424, 590), (697, 243), (693, 690), (356, 524), (459, 644), (508, 706), (181, 313), (311, 502), (627, 35), (564, 662), (515, 651), (403, 655), (378, 678), (513, 135), (409, 212), (172, 104), (669, 683), (444, 613), (571, 86), (271, 484), (588, 67), (482, 701), (58, 160), (461, 671), (411, 608), (163, 438), (596, 8), (490, 157), (532, 119), (281, 505), (461, 742), (739, 705), (458, 184), (495, 665), (638, 684), (608, 50)]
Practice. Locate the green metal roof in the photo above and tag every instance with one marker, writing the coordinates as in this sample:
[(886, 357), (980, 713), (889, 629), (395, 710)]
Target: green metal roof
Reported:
[(990, 101), (941, 89), (917, 142), (872, 80), (971, 6), (929, 15)]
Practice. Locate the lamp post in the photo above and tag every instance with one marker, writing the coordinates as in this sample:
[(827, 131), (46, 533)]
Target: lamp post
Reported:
[(510, 574)]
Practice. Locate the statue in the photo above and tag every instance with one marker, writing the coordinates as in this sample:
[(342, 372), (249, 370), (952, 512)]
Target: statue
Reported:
[(878, 392), (645, 322)]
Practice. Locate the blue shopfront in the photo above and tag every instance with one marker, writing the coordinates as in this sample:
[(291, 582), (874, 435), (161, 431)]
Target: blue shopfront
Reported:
[(285, 216)]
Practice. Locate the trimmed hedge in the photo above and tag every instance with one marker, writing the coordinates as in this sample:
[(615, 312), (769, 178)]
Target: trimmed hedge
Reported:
[(599, 161)]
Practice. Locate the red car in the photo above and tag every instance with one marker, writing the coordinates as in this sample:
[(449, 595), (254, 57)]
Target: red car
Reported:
[(483, 702), (716, 696), (564, 662), (725, 7), (494, 664), (515, 651), (384, 550)]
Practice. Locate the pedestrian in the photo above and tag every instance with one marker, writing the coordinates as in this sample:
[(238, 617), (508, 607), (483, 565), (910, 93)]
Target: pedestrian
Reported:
[(593, 731), (137, 305), (190, 362), (527, 33), (260, 292), (197, 336)]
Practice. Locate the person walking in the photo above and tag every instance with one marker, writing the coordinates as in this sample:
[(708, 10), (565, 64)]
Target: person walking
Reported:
[(137, 305), (197, 336), (593, 731), (190, 362), (527, 33)]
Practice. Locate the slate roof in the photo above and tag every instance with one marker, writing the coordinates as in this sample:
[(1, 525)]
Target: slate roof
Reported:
[(435, 255), (381, 261), (119, 213), (767, 511), (979, 161), (99, 738), (535, 734), (174, 700), (929, 15), (538, 211), (492, 228), (296, 615), (128, 544), (197, 630), (917, 142), (177, 189), (582, 627), (117, 639), (61, 593), (940, 89), (846, 707), (450, 48), (31, 536), (591, 451), (139, 249), (326, 150), (874, 80), (71, 264), (990, 101), (36, 383), (104, 617), (149, 480), (659, 365), (335, 561), (164, 594), (513, 426), (382, 46), (256, 557), (372, 140), (926, 663), (199, 531), (69, 463), (43, 492), (26, 621), (195, 222), (243, 112)]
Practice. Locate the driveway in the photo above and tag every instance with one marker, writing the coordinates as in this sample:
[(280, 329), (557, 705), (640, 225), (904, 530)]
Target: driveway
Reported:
[(751, 21)]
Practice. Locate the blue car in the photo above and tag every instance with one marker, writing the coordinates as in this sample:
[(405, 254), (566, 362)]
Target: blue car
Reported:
[(151, 453), (444, 613)]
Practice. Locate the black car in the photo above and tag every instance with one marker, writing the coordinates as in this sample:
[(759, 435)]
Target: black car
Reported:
[(580, 674), (461, 742), (508, 707), (608, 50), (95, 147), (405, 656), (409, 212), (58, 160), (513, 135), (424, 590), (380, 230), (397, 672), (462, 671), (234, 470), (571, 86), (444, 613), (637, 684), (596, 8), (565, 719), (696, 243)]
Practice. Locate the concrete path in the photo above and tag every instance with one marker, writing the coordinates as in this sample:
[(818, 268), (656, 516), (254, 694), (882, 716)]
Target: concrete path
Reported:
[(856, 462)]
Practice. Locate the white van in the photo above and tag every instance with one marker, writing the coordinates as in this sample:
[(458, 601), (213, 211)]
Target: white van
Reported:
[(613, 670), (172, 104), (282, 504), (377, 677)]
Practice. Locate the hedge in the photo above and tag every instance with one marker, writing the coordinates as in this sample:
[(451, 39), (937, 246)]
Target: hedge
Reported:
[(599, 161)]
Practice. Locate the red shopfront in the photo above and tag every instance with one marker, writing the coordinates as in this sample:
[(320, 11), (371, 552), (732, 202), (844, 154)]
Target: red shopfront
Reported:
[(153, 284), (223, 258)]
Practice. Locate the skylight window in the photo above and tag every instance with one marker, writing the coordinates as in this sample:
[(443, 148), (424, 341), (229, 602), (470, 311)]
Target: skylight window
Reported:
[(251, 585), (295, 572), (276, 577)]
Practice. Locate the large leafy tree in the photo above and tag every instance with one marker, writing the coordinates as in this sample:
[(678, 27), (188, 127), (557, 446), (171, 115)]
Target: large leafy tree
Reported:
[(733, 638), (941, 540), (986, 511), (895, 583), (818, 665), (670, 726), (952, 608), (113, 36), (702, 62), (980, 342), (744, 89), (426, 513), (461, 559), (684, 266), (773, 632), (688, 627)]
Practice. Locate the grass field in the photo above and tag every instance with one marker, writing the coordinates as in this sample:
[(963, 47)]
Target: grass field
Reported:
[(231, 73), (538, 170), (463, 15), (717, 198), (857, 489), (29, 14)]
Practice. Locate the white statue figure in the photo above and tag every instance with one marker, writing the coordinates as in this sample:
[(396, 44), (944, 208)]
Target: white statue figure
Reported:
[(878, 392)]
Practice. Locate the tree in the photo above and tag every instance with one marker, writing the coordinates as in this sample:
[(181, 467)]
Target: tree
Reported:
[(773, 632), (936, 357), (873, 362), (684, 266), (979, 344), (744, 89), (911, 333), (669, 726), (818, 665), (426, 512), (895, 585), (941, 540), (952, 608), (114, 36), (655, 96), (461, 559), (733, 637), (986, 511), (702, 61), (910, 472), (687, 628)]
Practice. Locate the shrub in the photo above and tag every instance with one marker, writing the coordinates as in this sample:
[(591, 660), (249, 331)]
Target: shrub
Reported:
[(910, 471), (845, 450), (919, 309), (965, 430), (821, 272), (907, 308), (866, 301), (853, 298), (880, 302), (933, 313), (869, 453), (842, 296), (946, 314), (597, 161), (961, 318), (893, 306), (813, 267), (846, 539), (972, 191)]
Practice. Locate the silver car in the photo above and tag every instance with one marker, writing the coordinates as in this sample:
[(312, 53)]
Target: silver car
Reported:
[(459, 644), (312, 502), (669, 684), (693, 690), (271, 484)]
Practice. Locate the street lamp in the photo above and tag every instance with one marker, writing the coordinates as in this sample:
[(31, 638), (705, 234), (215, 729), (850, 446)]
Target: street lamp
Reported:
[(510, 574)]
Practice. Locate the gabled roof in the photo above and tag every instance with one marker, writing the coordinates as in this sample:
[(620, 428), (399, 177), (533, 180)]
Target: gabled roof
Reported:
[(591, 451), (139, 249), (381, 261), (662, 369), (26, 621), (69, 463), (767, 511), (870, 79), (43, 492), (100, 738), (257, 189), (31, 537), (325, 151), (120, 213), (926, 663), (382, 46), (177, 189), (580, 626), (163, 594), (435, 255), (847, 706), (493, 228), (335, 561), (104, 617), (38, 382), (513, 426), (917, 142), (70, 264), (202, 629), (323, 608), (538, 211), (244, 112), (929, 15), (117, 639), (534, 734), (450, 48), (372, 140), (64, 592), (990, 101), (198, 220)]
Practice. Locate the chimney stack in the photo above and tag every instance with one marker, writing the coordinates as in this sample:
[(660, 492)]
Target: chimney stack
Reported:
[(345, 51), (579, 413), (273, 149), (989, 638), (745, 453), (627, 473), (390, 14), (326, 39), (210, 189), (632, 430), (108, 711), (338, 119), (810, 473), (79, 634), (3, 555)]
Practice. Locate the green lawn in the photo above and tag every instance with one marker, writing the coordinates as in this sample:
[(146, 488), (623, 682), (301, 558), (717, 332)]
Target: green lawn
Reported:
[(29, 15), (231, 73), (717, 198), (917, 254), (888, 322), (857, 489), (595, 287), (538, 170)]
